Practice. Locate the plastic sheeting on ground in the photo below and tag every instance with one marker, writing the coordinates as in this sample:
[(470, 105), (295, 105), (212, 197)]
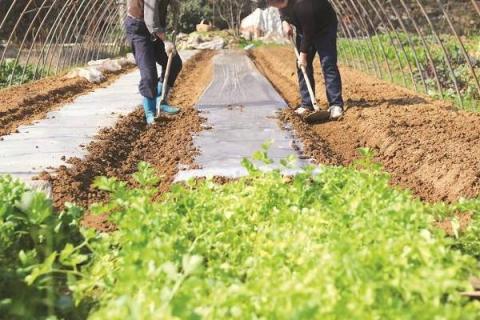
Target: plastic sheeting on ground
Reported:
[(241, 109)]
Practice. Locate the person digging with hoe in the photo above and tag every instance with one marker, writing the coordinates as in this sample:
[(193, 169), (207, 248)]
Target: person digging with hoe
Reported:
[(316, 24), (146, 31)]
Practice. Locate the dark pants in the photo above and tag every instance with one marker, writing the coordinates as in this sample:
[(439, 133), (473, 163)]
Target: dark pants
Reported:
[(147, 53), (326, 47)]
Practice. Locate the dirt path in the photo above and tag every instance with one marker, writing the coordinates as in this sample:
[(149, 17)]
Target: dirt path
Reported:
[(117, 151), (23, 104), (425, 145)]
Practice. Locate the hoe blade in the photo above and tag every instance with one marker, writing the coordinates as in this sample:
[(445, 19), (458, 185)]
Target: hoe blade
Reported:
[(167, 109), (317, 116)]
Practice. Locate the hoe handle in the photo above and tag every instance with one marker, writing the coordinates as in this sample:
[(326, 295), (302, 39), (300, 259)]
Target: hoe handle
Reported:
[(167, 75), (307, 79), (170, 60)]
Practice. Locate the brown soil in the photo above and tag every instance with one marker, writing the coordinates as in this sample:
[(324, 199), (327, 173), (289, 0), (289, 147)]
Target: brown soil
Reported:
[(23, 104), (463, 219), (117, 151), (427, 146)]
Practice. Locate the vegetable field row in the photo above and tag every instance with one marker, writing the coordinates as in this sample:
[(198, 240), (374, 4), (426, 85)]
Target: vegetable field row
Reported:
[(334, 245)]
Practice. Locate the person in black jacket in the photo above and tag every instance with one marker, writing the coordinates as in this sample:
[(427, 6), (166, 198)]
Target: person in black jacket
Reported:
[(145, 26), (316, 24)]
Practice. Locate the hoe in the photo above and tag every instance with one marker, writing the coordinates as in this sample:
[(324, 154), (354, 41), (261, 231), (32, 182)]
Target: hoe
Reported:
[(163, 103), (318, 115)]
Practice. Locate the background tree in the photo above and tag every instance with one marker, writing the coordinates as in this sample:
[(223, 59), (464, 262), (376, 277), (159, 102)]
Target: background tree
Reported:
[(192, 12), (233, 11)]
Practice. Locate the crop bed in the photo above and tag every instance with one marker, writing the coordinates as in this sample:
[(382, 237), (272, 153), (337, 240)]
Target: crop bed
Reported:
[(23, 104), (116, 152), (425, 145)]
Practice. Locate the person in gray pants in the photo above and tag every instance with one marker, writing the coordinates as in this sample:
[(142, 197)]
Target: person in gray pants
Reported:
[(145, 27)]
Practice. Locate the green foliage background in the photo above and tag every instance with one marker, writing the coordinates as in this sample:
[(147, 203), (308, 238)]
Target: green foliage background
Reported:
[(400, 52)]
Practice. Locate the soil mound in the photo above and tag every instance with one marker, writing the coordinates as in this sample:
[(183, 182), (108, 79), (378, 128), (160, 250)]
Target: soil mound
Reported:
[(426, 145), (117, 151)]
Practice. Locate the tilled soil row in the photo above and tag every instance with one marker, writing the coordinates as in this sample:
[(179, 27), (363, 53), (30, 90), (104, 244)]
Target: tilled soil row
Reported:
[(24, 104), (427, 146), (116, 152)]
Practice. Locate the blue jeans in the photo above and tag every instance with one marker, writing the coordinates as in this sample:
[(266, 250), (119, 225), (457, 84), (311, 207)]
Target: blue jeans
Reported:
[(147, 54), (326, 47)]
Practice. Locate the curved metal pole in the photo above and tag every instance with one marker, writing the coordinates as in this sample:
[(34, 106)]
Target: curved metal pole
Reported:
[(44, 54), (389, 69), (445, 54), (355, 38), (13, 31), (116, 36), (367, 66), (106, 25), (36, 36), (104, 45), (392, 43), (364, 26), (69, 35), (115, 40), (460, 42), (425, 46), (7, 14), (74, 37), (397, 36), (117, 47), (361, 38), (78, 35), (420, 67), (83, 35), (61, 36), (17, 58), (476, 6), (348, 39), (105, 33), (88, 37), (92, 43)]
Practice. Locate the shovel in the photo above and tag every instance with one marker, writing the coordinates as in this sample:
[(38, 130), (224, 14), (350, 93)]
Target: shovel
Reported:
[(318, 115)]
